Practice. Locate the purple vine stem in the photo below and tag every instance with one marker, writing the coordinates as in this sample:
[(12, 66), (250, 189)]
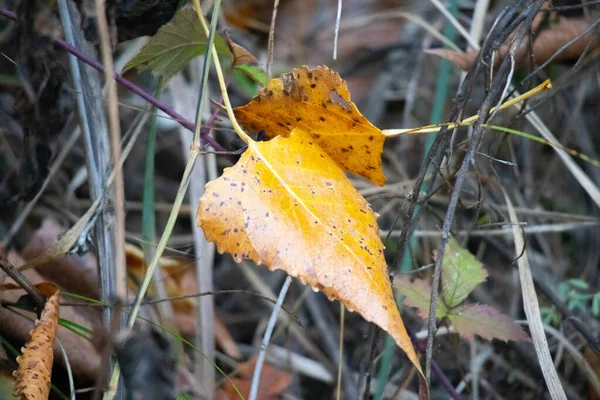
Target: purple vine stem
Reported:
[(435, 367), (131, 86)]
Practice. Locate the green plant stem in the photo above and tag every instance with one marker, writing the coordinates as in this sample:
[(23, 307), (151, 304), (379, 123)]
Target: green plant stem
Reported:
[(148, 220), (441, 92), (162, 244)]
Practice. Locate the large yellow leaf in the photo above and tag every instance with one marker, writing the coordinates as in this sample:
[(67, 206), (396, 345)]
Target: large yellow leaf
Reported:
[(288, 205), (318, 101), (32, 378)]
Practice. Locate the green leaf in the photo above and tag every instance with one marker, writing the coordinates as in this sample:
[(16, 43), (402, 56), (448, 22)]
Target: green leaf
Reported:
[(175, 45), (563, 291), (596, 304), (485, 321), (461, 272), (254, 72), (579, 284), (418, 294), (244, 83)]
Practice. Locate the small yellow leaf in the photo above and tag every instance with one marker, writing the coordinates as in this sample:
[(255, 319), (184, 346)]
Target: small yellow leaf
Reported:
[(288, 205), (32, 378), (318, 102)]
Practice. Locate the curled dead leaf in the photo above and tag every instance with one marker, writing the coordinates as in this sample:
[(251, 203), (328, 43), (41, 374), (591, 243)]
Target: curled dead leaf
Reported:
[(318, 102), (547, 43), (83, 356), (32, 378), (288, 204)]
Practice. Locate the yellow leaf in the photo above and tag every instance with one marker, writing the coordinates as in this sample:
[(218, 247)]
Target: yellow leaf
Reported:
[(318, 102), (288, 205), (32, 378)]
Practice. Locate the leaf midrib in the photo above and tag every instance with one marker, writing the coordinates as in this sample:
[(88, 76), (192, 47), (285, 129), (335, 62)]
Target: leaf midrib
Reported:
[(254, 147)]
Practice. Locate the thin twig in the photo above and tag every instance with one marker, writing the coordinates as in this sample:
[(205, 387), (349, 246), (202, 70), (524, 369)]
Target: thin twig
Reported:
[(267, 337), (17, 276), (435, 367), (341, 357), (338, 17), (497, 87), (270, 49), (118, 275)]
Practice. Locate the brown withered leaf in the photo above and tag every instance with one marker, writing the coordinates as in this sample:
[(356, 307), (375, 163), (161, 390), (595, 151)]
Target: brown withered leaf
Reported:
[(318, 102), (545, 46), (180, 279), (83, 356), (273, 382), (32, 378)]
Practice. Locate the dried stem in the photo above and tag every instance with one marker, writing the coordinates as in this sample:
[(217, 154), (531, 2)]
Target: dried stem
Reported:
[(267, 338), (22, 281), (497, 89)]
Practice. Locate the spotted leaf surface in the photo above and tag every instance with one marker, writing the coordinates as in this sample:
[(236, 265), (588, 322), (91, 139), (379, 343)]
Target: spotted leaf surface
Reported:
[(32, 378), (288, 205), (318, 102)]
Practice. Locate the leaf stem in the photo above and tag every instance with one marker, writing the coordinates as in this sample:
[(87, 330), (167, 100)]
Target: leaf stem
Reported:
[(238, 129), (546, 85)]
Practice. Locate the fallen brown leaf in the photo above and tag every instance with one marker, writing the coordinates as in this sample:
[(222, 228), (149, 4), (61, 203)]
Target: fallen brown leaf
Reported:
[(545, 46), (83, 356), (180, 279), (273, 382)]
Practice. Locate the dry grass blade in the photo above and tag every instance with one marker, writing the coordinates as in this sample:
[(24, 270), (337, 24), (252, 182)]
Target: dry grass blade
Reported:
[(532, 309), (68, 240), (32, 378)]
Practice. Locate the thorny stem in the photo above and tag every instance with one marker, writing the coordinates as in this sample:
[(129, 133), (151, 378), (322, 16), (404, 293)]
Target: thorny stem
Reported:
[(503, 73), (129, 85), (435, 367)]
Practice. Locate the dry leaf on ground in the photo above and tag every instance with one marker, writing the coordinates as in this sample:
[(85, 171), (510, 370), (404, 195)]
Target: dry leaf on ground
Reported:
[(32, 378), (318, 102), (273, 382), (180, 279), (545, 46), (73, 273), (287, 204), (83, 356)]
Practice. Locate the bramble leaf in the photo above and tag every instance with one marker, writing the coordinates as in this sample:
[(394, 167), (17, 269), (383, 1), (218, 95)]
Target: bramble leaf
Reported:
[(253, 72), (318, 102), (32, 378), (418, 294), (483, 320), (175, 45), (461, 272), (288, 205)]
